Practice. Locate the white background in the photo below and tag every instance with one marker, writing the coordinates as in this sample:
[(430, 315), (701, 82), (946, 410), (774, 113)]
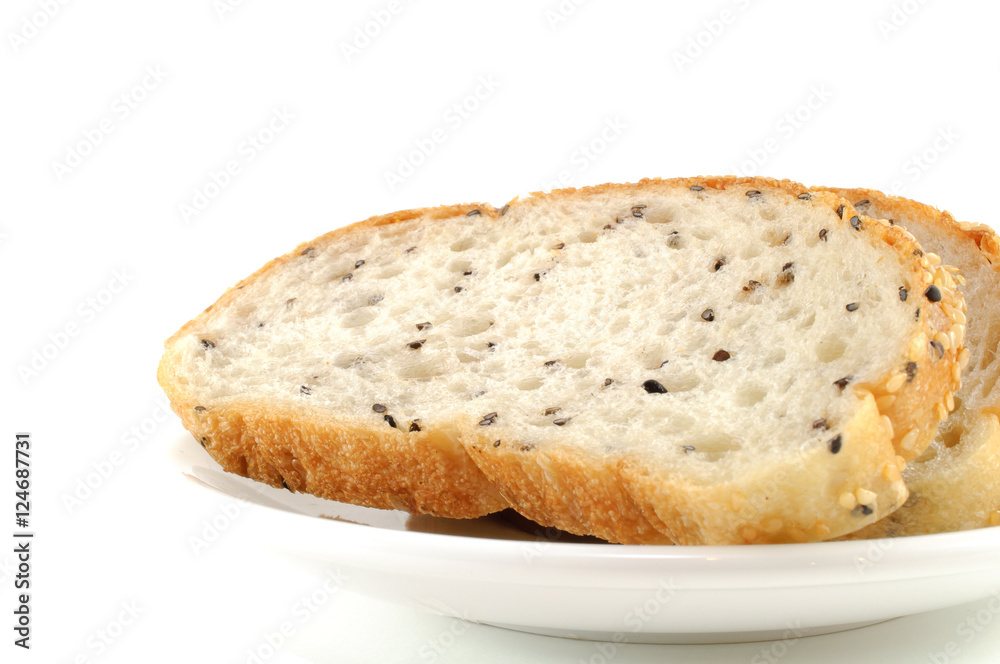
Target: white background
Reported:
[(98, 156)]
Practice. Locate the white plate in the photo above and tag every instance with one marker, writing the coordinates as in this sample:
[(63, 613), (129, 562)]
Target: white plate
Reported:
[(506, 571)]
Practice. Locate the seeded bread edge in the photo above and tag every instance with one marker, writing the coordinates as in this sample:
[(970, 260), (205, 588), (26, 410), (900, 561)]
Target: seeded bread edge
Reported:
[(962, 497), (556, 489), (306, 450)]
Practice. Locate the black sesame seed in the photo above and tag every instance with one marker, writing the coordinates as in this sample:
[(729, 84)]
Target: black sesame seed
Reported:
[(696, 187), (856, 222), (409, 250), (903, 293), (390, 420), (205, 343), (842, 382), (458, 289), (911, 371), (637, 210), (721, 356), (200, 409), (822, 234), (654, 387), (561, 421), (289, 302), (719, 263), (526, 448), (918, 253), (347, 277), (805, 197), (496, 443), (203, 440), (563, 244), (608, 227), (933, 293), (490, 345), (862, 510), (379, 408), (708, 315), (664, 363), (308, 251), (835, 444), (488, 419), (853, 306), (538, 276), (550, 363), (840, 211), (751, 286), (467, 272), (938, 349), (414, 426), (472, 213), (415, 345), (787, 266), (688, 449), (552, 410), (753, 193), (787, 238), (820, 424), (284, 484), (261, 324), (359, 263), (304, 389), (424, 325), (504, 209), (863, 203), (608, 381)]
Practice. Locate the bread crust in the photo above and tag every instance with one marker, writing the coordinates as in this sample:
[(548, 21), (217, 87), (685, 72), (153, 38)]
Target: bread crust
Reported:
[(306, 450), (609, 497), (959, 489), (558, 490)]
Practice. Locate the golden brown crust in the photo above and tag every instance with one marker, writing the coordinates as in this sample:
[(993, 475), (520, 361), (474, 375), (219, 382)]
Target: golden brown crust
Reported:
[(424, 472), (960, 487), (593, 497), (611, 498)]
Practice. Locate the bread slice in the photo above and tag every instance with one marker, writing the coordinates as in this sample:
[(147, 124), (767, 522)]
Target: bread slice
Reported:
[(695, 361), (955, 484)]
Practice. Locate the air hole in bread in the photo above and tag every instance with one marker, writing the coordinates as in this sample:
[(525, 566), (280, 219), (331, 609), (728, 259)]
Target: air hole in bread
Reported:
[(390, 271), (530, 383), (460, 266), (657, 215), (714, 446), (576, 360), (463, 244), (830, 348), (358, 318), (749, 396), (465, 358), (952, 435), (425, 369), (587, 237), (466, 326), (777, 356), (776, 237), (788, 314), (681, 383), (808, 321)]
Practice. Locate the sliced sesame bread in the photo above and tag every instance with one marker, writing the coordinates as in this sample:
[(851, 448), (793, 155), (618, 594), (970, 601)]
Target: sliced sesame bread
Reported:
[(955, 484), (694, 361)]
